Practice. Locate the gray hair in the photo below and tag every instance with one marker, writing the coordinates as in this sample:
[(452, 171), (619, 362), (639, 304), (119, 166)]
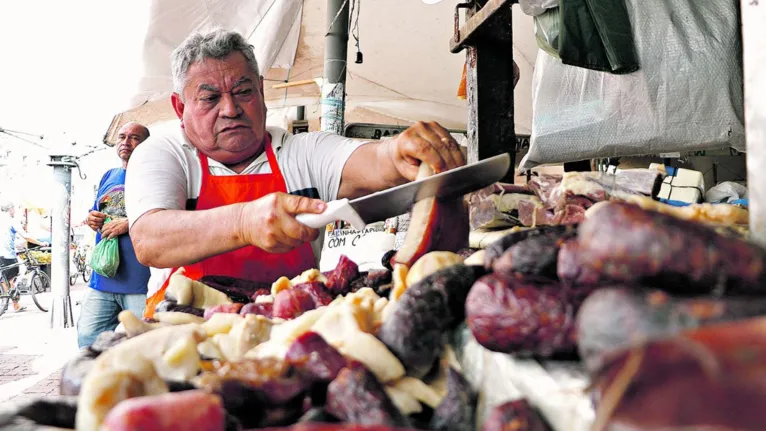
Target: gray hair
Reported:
[(217, 44)]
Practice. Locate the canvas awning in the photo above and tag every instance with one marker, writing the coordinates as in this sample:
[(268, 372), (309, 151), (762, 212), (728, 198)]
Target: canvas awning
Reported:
[(104, 58), (408, 73)]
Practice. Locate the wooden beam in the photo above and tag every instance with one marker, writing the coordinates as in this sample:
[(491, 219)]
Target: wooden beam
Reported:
[(472, 25), (293, 84), (489, 87)]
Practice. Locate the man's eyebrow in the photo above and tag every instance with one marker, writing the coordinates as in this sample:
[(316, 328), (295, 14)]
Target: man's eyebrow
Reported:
[(240, 81), (208, 87)]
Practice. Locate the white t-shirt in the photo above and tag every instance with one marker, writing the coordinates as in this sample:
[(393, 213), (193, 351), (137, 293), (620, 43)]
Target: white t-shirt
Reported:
[(165, 172)]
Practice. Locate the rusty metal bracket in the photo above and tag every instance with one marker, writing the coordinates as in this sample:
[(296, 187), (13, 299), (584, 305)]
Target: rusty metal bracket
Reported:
[(464, 35), (457, 18)]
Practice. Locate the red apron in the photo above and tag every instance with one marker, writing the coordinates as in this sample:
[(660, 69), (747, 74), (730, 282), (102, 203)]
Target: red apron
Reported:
[(251, 263)]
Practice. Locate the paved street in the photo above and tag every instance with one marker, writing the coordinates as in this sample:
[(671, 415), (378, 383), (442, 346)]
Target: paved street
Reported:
[(31, 353)]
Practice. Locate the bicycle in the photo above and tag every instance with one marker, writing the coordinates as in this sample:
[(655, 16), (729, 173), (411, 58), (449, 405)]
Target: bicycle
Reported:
[(81, 265), (32, 282)]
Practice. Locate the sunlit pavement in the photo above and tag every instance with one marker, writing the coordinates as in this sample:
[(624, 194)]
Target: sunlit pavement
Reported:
[(31, 352)]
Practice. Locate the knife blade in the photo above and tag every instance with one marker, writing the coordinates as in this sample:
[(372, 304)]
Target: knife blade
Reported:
[(398, 200)]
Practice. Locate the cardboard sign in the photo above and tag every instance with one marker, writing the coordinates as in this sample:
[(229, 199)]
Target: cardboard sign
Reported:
[(365, 247)]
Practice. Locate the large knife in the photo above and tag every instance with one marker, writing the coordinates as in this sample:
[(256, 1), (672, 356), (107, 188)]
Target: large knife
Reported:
[(398, 200)]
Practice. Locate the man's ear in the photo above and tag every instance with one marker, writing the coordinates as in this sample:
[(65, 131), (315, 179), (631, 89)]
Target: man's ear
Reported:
[(262, 94), (178, 105)]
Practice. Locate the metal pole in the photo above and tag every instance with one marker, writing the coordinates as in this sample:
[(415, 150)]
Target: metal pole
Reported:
[(754, 61), (61, 307), (335, 53)]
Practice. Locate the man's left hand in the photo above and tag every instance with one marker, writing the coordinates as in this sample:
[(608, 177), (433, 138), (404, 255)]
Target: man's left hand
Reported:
[(114, 229), (427, 143)]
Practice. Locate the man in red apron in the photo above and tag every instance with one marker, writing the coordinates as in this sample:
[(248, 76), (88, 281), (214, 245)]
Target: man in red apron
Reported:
[(243, 221)]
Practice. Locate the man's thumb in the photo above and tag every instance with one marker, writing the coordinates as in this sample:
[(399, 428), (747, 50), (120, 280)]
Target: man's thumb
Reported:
[(302, 205)]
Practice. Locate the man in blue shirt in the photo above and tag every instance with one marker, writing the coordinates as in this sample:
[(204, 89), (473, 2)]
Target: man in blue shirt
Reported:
[(108, 296)]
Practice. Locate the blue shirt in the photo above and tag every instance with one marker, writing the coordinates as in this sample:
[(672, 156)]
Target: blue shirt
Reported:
[(131, 277)]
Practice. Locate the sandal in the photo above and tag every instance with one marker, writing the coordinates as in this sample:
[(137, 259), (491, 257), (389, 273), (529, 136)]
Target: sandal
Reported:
[(20, 309)]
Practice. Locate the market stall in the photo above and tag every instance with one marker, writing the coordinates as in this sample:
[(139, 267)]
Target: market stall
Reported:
[(608, 299)]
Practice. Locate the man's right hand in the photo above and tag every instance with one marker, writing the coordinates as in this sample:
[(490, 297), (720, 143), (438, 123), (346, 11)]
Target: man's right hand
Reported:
[(96, 220), (269, 222)]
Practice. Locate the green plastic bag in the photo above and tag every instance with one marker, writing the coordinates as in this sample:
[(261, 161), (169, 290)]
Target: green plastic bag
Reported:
[(105, 258)]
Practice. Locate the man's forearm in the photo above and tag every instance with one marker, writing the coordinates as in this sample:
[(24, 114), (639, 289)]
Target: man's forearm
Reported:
[(174, 238), (369, 169)]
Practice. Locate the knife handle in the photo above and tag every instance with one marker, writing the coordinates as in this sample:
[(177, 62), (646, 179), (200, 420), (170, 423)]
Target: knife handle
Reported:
[(336, 210)]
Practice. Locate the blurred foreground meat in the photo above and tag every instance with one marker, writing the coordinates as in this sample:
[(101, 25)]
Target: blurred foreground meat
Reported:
[(233, 308), (189, 410), (572, 270), (265, 309), (515, 416), (291, 303), (258, 393), (495, 250), (425, 310), (77, 368), (516, 315), (356, 396), (456, 411), (712, 378), (237, 289), (341, 426), (536, 256), (314, 358), (339, 280), (52, 411), (625, 243), (615, 319), (317, 290)]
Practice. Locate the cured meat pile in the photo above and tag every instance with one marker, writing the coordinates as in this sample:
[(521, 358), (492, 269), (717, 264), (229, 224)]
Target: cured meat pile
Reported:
[(321, 351), (663, 312), (324, 353), (548, 200)]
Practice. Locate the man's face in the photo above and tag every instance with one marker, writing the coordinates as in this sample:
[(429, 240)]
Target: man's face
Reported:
[(128, 138), (223, 112)]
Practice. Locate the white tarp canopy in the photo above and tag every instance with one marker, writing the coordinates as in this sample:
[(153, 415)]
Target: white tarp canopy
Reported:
[(75, 66)]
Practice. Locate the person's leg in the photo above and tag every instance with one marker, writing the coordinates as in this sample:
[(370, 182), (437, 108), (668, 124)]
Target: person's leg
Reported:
[(98, 313), (15, 299), (3, 284), (6, 288), (133, 303), (10, 275)]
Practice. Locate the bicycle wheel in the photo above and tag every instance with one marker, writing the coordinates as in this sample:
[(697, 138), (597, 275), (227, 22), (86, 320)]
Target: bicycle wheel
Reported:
[(72, 279), (4, 299), (40, 280), (87, 272), (43, 287)]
